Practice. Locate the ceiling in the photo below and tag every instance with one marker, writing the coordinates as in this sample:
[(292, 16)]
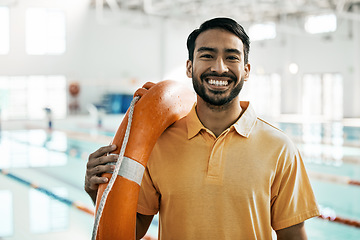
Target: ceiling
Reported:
[(242, 10)]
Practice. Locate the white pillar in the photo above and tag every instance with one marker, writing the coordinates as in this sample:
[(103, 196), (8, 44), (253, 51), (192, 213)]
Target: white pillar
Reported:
[(291, 84), (356, 64)]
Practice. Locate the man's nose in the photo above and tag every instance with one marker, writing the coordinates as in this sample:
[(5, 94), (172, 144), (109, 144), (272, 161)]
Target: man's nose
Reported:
[(219, 66)]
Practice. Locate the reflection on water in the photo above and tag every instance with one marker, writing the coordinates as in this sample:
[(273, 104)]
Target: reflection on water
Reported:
[(334, 133), (311, 133), (325, 143), (6, 213), (34, 211), (47, 214), (36, 148)]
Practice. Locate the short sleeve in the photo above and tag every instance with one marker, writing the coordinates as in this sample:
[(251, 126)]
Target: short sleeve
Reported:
[(293, 200), (148, 203)]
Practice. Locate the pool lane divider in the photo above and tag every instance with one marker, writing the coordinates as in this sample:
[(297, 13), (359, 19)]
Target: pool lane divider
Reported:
[(333, 178), (341, 220), (66, 201)]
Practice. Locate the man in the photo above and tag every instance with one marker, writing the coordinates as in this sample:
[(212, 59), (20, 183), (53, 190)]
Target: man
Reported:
[(220, 172)]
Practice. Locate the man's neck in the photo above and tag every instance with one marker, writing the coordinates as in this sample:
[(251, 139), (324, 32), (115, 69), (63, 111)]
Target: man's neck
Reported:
[(218, 118)]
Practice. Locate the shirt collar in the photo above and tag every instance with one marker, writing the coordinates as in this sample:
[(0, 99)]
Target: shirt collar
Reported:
[(193, 123), (246, 122), (243, 125)]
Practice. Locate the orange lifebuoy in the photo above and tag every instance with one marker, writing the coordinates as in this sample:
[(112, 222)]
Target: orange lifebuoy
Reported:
[(161, 106)]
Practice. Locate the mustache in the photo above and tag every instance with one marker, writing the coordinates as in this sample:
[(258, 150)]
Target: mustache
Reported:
[(214, 74)]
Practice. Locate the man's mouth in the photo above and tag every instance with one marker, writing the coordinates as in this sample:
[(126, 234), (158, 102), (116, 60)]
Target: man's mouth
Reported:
[(218, 83)]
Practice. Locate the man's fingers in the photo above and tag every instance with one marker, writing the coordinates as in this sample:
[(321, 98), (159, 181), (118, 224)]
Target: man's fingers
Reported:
[(92, 163), (142, 91), (148, 85), (95, 181), (100, 169), (93, 176), (102, 151)]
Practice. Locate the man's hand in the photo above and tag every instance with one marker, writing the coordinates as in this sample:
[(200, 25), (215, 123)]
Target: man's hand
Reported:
[(96, 166)]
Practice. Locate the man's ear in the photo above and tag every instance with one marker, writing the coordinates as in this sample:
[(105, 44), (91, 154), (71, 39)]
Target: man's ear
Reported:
[(189, 68), (247, 71)]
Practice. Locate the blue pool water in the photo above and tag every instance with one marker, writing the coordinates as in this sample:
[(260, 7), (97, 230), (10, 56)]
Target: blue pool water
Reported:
[(56, 161)]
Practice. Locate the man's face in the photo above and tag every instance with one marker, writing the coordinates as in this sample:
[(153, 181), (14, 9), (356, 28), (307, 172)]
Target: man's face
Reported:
[(217, 70)]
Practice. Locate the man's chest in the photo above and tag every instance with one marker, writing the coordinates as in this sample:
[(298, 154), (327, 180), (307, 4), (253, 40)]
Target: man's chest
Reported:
[(227, 168)]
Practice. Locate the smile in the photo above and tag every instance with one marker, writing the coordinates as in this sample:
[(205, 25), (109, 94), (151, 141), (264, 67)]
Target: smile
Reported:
[(218, 82)]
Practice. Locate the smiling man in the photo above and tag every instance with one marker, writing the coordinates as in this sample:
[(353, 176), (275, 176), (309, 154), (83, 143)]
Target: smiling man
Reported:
[(218, 70), (220, 172)]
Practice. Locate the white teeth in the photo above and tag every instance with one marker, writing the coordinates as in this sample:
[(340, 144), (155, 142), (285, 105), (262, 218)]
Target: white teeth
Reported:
[(218, 83)]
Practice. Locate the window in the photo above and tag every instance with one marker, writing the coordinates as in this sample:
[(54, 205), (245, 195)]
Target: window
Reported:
[(26, 97), (4, 30), (321, 24), (311, 97), (333, 96), (264, 93), (262, 31), (14, 97), (45, 31), (46, 91), (323, 96)]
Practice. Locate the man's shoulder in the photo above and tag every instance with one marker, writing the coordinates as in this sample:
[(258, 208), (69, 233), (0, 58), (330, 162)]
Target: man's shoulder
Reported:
[(178, 128), (269, 126), (268, 130)]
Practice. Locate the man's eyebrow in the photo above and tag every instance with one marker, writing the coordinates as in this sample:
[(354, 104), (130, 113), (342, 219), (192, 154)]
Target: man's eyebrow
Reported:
[(233, 50), (228, 50), (209, 49)]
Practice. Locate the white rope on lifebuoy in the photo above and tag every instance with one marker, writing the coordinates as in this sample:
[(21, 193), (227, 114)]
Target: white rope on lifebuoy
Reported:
[(116, 170)]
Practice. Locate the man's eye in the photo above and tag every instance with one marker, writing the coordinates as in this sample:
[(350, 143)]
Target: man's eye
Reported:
[(206, 56), (233, 57)]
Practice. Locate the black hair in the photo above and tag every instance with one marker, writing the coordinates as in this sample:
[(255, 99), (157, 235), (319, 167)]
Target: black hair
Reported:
[(227, 24)]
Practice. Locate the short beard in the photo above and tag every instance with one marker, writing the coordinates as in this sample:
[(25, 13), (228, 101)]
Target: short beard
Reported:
[(200, 90)]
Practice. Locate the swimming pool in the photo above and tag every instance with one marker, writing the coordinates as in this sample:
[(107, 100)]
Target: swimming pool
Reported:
[(42, 196)]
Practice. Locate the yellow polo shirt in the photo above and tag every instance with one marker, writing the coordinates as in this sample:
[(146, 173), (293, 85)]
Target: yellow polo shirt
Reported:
[(239, 185)]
